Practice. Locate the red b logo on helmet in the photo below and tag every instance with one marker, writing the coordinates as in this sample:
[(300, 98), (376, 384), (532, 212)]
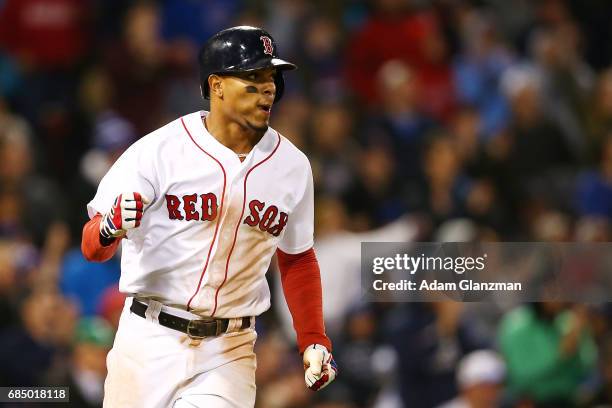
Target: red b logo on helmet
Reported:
[(267, 43)]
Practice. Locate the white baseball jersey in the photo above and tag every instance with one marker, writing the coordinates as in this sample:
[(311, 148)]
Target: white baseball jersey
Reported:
[(213, 224)]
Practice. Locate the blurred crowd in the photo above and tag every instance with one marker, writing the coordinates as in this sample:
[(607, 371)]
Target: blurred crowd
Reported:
[(424, 120)]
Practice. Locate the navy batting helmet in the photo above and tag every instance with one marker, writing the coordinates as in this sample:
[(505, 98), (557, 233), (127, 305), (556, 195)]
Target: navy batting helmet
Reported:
[(241, 49)]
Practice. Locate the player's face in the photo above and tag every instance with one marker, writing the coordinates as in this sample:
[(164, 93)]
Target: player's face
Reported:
[(249, 96)]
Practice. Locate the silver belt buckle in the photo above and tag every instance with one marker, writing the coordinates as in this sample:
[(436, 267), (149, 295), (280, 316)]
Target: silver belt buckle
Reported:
[(191, 325)]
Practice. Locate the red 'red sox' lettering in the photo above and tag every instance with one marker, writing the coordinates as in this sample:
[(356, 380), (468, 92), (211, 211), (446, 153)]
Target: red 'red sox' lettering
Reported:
[(266, 221), (173, 203), (189, 207), (255, 206), (209, 206), (192, 207)]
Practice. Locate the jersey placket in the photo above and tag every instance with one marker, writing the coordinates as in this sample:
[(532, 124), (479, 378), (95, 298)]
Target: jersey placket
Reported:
[(240, 185), (202, 299), (208, 297)]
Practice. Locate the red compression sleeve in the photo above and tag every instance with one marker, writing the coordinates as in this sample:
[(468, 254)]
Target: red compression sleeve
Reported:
[(92, 248), (301, 281)]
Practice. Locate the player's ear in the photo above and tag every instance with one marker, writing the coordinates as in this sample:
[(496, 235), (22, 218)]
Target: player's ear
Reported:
[(215, 84)]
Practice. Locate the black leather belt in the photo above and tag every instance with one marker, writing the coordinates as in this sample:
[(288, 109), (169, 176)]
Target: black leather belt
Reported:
[(197, 328)]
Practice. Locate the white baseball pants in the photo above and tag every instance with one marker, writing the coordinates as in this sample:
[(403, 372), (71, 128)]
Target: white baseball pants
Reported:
[(156, 367)]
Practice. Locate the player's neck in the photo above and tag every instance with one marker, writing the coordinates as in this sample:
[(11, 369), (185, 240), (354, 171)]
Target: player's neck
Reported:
[(233, 136)]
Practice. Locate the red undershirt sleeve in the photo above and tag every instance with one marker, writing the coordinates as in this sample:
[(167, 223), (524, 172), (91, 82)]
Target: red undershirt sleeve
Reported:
[(301, 280), (92, 248)]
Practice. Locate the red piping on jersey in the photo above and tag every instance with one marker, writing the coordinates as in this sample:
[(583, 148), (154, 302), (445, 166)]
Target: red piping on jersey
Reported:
[(240, 220), (212, 244)]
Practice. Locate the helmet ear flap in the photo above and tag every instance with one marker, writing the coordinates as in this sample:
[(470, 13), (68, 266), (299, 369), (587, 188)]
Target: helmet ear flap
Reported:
[(279, 82)]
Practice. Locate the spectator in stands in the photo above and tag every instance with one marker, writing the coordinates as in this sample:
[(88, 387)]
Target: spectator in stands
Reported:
[(604, 396), (293, 119), (374, 198), (535, 137), (566, 80), (10, 79), (319, 53), (195, 21), (85, 282), (442, 192), (430, 339), (44, 35), (399, 122), (32, 202), (484, 202), (287, 390), (480, 379), (284, 19), (534, 145), (85, 378), (551, 226), (42, 341), (599, 117), (356, 350), (18, 261), (139, 70), (395, 30), (548, 352), (111, 134), (594, 189), (48, 40), (478, 70), (592, 229), (333, 149)]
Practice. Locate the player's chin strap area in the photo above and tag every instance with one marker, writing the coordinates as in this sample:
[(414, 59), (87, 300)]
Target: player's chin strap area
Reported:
[(194, 328)]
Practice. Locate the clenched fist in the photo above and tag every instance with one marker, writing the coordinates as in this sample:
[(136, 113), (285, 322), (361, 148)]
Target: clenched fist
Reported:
[(321, 369), (124, 215)]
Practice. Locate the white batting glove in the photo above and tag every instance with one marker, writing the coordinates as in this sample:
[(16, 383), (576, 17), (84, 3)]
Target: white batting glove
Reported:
[(321, 369), (124, 215)]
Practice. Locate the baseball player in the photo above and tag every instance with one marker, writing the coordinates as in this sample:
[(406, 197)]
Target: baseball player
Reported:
[(200, 206)]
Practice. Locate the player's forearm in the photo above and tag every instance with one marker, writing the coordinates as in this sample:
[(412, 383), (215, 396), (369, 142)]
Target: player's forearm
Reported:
[(301, 280), (92, 246)]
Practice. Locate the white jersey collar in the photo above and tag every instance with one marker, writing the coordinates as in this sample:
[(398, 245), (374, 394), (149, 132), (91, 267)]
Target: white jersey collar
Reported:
[(205, 140)]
